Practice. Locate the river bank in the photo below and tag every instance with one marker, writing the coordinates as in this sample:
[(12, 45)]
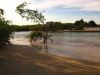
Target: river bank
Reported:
[(24, 60), (85, 30)]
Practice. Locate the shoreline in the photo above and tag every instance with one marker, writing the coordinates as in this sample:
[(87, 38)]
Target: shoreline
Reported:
[(25, 60), (68, 31), (94, 31), (81, 31)]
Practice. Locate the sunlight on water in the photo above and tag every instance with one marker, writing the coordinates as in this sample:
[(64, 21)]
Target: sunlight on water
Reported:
[(20, 38)]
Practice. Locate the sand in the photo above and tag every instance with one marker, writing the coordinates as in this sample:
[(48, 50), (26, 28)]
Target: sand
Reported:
[(25, 60)]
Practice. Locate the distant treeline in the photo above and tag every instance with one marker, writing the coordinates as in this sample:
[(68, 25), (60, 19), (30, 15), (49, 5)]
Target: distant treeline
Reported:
[(26, 27), (55, 26)]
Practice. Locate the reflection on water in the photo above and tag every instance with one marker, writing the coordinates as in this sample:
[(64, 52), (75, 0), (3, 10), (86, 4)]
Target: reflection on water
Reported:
[(76, 45), (41, 48)]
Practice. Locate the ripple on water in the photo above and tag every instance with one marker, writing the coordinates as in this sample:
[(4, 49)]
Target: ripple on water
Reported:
[(76, 45)]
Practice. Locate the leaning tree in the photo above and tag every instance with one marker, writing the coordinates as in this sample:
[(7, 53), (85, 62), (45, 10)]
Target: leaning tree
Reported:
[(34, 16)]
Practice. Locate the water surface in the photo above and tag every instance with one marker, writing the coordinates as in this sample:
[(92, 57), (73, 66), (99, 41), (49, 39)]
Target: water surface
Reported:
[(81, 45)]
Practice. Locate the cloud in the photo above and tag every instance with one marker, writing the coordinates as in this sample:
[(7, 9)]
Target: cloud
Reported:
[(88, 5), (92, 6), (10, 5), (53, 3)]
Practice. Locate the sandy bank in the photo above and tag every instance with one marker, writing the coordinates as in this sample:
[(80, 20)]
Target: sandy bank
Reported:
[(24, 60)]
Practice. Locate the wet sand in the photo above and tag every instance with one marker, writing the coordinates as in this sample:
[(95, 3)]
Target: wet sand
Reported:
[(24, 60)]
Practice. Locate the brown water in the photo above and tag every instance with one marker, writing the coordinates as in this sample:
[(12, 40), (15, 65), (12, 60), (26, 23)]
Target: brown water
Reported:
[(79, 45)]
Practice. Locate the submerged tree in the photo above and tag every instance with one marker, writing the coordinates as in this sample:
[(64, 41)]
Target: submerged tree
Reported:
[(34, 16)]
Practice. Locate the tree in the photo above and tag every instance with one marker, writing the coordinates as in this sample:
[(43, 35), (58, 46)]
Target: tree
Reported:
[(5, 30), (34, 16), (28, 14), (79, 25), (1, 12), (92, 23)]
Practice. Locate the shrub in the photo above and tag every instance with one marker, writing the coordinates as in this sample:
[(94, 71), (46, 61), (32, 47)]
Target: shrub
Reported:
[(5, 33), (35, 35)]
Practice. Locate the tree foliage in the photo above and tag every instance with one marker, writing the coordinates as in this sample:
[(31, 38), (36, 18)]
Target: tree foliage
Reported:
[(35, 16), (79, 25), (55, 26), (5, 30), (92, 23), (29, 14)]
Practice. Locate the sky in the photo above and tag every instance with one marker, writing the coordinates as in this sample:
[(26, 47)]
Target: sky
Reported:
[(66, 11)]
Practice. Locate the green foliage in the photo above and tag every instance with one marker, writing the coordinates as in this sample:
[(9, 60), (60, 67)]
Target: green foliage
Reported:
[(36, 27), (55, 26), (35, 35), (67, 26), (34, 16), (28, 14), (92, 23), (5, 32), (20, 9), (27, 27), (79, 25)]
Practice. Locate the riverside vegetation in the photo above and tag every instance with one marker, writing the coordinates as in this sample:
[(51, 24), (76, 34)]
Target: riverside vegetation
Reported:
[(5, 30), (56, 26), (23, 60)]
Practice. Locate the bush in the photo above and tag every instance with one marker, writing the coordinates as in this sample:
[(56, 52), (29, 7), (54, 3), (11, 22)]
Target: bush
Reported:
[(35, 35), (5, 33)]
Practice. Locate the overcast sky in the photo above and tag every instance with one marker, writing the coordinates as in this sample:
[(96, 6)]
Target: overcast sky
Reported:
[(55, 10)]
